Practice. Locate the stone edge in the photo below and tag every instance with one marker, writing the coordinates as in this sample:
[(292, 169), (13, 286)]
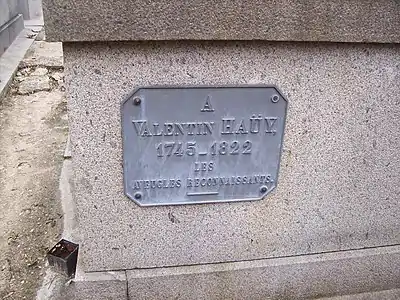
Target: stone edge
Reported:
[(110, 285), (309, 276), (95, 285), (393, 294), (354, 274), (134, 20)]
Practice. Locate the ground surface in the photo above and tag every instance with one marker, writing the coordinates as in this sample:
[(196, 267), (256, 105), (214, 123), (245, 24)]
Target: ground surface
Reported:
[(33, 132)]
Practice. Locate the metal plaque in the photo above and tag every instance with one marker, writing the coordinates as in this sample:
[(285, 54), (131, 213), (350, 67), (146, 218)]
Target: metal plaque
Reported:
[(190, 145)]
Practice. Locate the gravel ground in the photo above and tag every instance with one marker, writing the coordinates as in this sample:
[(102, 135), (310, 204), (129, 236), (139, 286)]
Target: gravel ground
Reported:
[(33, 132)]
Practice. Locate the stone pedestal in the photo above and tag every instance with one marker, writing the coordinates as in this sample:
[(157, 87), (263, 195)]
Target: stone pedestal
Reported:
[(332, 224), (11, 23)]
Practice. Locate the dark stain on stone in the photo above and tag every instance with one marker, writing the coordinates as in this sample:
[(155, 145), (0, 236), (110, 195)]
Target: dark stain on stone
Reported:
[(172, 218), (97, 71), (86, 184)]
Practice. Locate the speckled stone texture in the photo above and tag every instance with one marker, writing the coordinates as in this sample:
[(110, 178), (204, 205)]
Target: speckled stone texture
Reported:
[(339, 178), (286, 20), (94, 290), (301, 277)]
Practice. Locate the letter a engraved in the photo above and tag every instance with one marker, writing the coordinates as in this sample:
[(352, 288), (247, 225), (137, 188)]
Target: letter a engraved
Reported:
[(207, 105)]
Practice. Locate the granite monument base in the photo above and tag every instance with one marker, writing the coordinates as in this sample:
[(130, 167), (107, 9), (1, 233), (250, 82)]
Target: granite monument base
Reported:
[(335, 275), (328, 227)]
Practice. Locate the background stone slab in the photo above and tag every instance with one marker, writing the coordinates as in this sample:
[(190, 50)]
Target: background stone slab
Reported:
[(338, 186), (288, 20)]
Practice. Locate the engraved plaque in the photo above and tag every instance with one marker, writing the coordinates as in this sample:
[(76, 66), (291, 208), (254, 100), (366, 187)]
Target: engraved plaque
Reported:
[(191, 145)]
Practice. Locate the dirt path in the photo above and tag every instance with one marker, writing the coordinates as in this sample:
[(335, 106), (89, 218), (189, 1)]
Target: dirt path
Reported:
[(33, 132)]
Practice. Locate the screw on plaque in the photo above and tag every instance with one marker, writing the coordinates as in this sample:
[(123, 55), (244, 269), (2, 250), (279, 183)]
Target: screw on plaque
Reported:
[(138, 196), (137, 101), (263, 189), (275, 98)]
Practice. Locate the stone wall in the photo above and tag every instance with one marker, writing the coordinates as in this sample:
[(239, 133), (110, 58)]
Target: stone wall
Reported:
[(11, 23)]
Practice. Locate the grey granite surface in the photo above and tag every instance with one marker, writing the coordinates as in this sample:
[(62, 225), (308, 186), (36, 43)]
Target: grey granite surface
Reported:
[(94, 290), (303, 277), (287, 20), (95, 285), (339, 178), (392, 294)]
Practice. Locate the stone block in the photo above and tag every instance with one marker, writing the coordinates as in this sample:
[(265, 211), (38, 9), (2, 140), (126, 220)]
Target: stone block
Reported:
[(10, 60), (13, 8), (4, 40), (338, 186), (5, 14), (9, 32), (34, 84), (96, 285), (393, 294), (15, 27), (288, 20), (303, 277), (35, 9), (23, 8), (93, 290), (44, 54)]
